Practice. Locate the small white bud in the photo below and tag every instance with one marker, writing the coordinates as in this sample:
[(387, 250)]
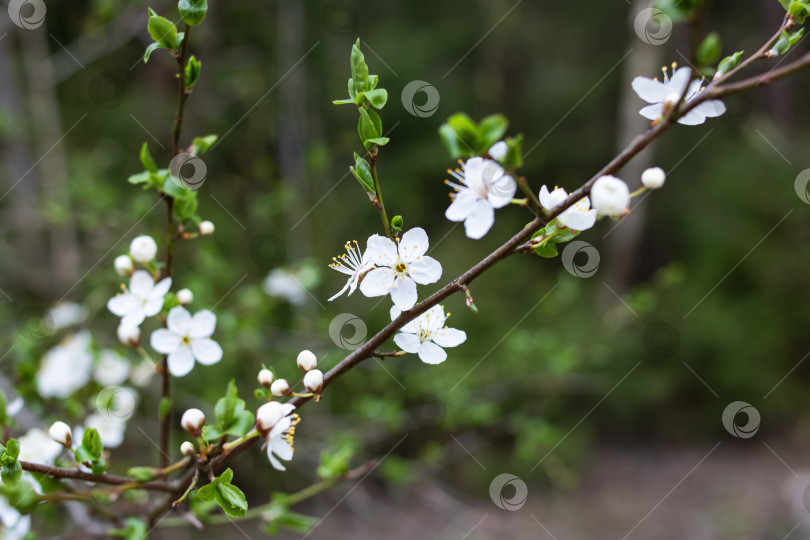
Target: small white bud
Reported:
[(313, 380), (498, 150), (123, 265), (187, 449), (193, 421), (60, 432), (268, 415), (307, 360), (185, 297), (143, 249), (129, 335), (206, 228), (653, 178), (610, 196), (265, 378), (280, 388)]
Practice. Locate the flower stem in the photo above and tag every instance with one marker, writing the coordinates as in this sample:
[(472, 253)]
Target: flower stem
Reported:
[(378, 192), (236, 442), (638, 192), (189, 489)]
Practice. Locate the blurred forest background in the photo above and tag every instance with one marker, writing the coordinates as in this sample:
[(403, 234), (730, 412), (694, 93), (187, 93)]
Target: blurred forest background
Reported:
[(615, 384)]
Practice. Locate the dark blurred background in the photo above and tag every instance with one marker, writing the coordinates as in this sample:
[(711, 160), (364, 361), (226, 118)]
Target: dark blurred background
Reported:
[(604, 395)]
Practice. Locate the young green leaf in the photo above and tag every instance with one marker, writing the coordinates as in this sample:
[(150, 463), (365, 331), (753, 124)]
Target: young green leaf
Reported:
[(490, 131), (709, 50), (163, 31), (362, 171), (192, 72), (378, 98), (91, 441), (359, 69), (193, 11), (146, 159), (201, 145), (231, 499)]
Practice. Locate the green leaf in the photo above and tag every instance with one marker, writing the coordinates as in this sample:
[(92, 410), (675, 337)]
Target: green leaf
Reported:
[(134, 529), (201, 145), (173, 188), (378, 98), (678, 10), (82, 455), (142, 473), (490, 131), (369, 126), (192, 11), (11, 473), (514, 152), (709, 50), (548, 250), (163, 31), (207, 493), (352, 91), (728, 63), (359, 69), (343, 101), (99, 466), (149, 50), (186, 208), (139, 178), (12, 451), (335, 465), (459, 136), (226, 407), (146, 159), (164, 406), (231, 499), (91, 441), (192, 72), (376, 141), (799, 10), (362, 171)]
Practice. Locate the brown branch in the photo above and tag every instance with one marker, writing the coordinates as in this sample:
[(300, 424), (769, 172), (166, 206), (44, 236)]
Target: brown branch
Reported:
[(75, 474)]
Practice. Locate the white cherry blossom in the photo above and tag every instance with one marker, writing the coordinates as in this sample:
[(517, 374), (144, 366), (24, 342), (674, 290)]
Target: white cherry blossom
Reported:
[(484, 186), (143, 299), (38, 447), (278, 422), (663, 95), (15, 526), (187, 339), (399, 267), (353, 263), (143, 249), (610, 196), (111, 369), (578, 217), (427, 335), (66, 367)]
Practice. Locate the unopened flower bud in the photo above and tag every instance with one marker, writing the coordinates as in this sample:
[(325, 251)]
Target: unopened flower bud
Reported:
[(313, 380), (280, 388), (498, 150), (143, 249), (60, 432), (268, 415), (185, 297), (610, 196), (653, 178), (193, 421), (307, 360), (123, 265), (129, 335), (187, 449), (265, 378), (206, 228)]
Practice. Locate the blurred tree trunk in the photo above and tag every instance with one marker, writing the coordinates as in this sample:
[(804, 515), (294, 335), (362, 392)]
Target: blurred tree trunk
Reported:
[(622, 242), (64, 256)]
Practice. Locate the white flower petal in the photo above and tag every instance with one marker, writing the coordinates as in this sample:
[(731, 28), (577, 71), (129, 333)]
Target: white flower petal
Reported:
[(448, 337), (651, 112), (343, 290), (425, 270), (413, 245), (407, 342), (430, 353), (141, 283), (122, 304), (649, 90), (282, 448), (578, 221), (134, 317), (433, 319), (692, 118), (206, 351), (378, 282), (162, 287), (404, 293), (273, 461), (474, 173), (181, 361), (677, 84), (165, 341), (462, 205), (381, 251), (203, 324), (502, 191), (479, 221), (179, 320), (711, 109)]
